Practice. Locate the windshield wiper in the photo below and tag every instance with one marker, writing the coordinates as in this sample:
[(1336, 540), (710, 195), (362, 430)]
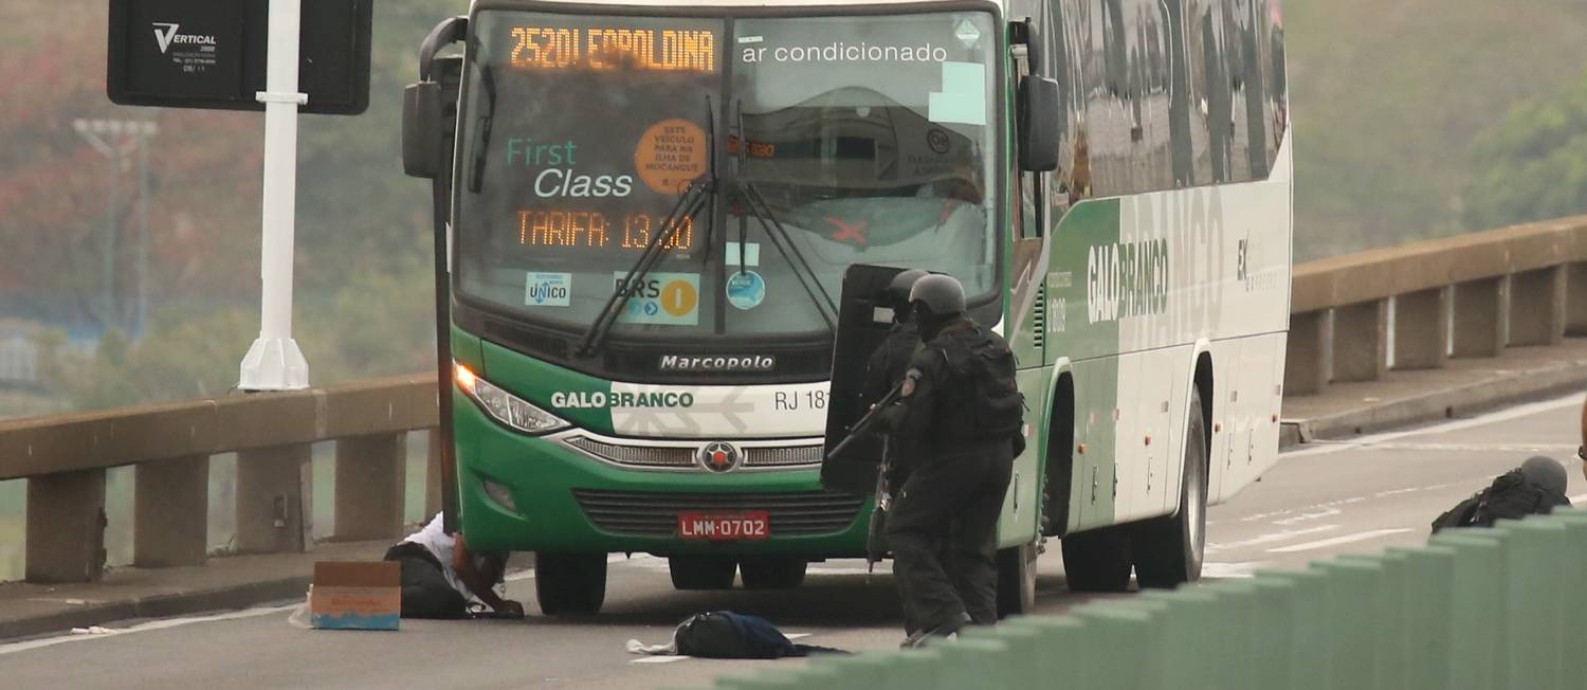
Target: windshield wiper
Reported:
[(476, 172), (696, 195), (756, 204)]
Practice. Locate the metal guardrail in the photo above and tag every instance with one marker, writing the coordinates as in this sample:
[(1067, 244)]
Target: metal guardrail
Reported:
[(1475, 608), (1517, 286)]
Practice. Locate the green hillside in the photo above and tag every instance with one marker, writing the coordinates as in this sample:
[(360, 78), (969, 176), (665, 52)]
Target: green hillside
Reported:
[(1388, 98)]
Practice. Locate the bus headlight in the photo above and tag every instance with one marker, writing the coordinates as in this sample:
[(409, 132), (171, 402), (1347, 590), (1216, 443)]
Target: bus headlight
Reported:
[(507, 408)]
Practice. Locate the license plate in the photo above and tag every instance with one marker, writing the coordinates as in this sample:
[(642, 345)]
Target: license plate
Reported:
[(755, 524)]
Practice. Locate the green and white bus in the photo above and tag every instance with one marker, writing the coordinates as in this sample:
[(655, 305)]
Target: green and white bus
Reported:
[(648, 209)]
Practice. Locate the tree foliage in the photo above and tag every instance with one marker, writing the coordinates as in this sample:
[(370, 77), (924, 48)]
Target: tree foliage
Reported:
[(1532, 165), (363, 282)]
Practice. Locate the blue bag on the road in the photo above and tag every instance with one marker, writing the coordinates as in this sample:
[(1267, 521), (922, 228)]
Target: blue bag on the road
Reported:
[(728, 635)]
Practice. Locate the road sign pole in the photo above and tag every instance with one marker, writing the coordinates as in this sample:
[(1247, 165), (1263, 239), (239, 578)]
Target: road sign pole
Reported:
[(275, 362)]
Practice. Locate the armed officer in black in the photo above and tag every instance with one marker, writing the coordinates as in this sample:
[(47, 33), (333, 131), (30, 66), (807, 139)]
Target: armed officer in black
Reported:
[(963, 423)]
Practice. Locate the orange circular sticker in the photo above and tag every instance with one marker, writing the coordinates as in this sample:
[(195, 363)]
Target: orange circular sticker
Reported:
[(671, 154), (679, 297)]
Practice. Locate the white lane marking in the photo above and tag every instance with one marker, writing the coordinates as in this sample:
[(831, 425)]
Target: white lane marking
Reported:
[(1326, 447), (1347, 539), (1329, 511), (1333, 505), (1414, 489), (1533, 448), (1292, 511), (1231, 570), (144, 627), (1271, 538)]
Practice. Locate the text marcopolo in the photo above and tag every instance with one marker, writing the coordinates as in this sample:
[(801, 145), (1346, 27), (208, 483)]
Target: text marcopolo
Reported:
[(718, 363)]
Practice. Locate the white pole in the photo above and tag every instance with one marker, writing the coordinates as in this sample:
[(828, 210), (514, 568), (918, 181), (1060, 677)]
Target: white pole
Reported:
[(275, 362)]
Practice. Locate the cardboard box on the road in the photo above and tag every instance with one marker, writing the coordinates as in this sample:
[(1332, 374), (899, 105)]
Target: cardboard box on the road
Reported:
[(356, 596)]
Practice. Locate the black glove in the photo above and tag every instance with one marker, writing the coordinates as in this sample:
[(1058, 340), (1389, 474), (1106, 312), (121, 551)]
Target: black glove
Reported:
[(1019, 444)]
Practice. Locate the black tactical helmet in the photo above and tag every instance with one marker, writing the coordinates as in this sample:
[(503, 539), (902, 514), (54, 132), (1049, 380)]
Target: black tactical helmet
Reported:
[(897, 292), (942, 295)]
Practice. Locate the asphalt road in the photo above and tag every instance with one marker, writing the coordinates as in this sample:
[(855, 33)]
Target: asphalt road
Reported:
[(1325, 500)]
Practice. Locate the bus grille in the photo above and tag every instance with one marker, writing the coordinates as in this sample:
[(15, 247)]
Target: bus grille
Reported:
[(683, 457), (656, 514)]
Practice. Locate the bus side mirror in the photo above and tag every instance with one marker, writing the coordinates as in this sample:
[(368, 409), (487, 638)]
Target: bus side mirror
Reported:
[(421, 129), (1039, 104)]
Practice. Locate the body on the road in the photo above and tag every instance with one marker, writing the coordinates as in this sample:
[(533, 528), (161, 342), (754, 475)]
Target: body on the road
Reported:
[(943, 523), (440, 573)]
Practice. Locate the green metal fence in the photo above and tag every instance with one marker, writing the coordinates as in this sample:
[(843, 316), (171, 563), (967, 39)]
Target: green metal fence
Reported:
[(1477, 608)]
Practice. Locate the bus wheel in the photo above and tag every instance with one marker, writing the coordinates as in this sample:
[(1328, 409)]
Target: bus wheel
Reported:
[(1169, 550), (1016, 580), (570, 584), (773, 572), (701, 572), (1097, 560)]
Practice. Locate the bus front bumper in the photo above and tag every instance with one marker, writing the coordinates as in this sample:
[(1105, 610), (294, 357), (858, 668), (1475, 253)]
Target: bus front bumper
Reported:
[(558, 499)]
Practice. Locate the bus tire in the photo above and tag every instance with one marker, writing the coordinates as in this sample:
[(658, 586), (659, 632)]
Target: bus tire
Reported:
[(773, 572), (570, 584), (1169, 550), (1016, 580), (1097, 560), (701, 572)]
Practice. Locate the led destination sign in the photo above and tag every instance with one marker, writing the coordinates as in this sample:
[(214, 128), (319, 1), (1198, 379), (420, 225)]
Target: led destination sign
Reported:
[(612, 48)]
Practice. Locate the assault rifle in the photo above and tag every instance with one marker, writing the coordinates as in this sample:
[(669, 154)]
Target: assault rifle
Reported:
[(878, 522), (902, 390)]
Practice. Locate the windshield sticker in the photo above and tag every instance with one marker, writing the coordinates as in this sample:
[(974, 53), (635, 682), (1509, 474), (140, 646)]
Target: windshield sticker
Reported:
[(548, 289), (967, 34), (962, 100), (667, 299), (746, 290), (671, 154), (751, 254)]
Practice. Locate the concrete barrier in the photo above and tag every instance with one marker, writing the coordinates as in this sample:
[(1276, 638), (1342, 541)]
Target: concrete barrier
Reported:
[(1513, 287), (1474, 608), (64, 459)]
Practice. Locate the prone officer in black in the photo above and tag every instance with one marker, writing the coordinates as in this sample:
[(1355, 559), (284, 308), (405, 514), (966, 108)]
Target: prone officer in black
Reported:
[(962, 420)]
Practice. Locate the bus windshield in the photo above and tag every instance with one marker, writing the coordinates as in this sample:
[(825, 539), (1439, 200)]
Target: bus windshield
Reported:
[(838, 140)]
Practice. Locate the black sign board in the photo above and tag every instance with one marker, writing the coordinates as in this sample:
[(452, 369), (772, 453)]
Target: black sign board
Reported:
[(211, 54)]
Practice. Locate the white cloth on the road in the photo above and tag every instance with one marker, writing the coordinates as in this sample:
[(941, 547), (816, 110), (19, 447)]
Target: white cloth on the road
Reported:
[(637, 647)]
